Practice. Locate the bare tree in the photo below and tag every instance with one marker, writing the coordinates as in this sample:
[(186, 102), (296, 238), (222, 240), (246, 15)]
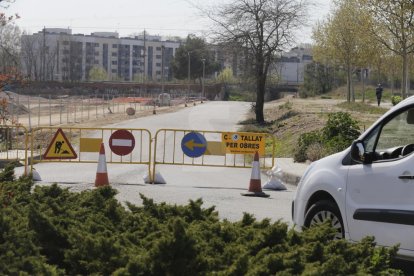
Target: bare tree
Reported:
[(394, 28), (30, 55), (38, 57), (6, 19), (264, 27), (9, 46)]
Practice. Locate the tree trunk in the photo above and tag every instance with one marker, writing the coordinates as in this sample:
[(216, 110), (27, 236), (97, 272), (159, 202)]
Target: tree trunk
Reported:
[(405, 83), (261, 84), (348, 84), (363, 85)]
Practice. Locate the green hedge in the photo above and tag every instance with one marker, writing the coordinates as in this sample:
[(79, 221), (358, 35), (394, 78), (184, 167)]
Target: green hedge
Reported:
[(52, 231)]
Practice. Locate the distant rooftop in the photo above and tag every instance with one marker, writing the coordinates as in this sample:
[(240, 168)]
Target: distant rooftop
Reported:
[(115, 35), (106, 34), (57, 31)]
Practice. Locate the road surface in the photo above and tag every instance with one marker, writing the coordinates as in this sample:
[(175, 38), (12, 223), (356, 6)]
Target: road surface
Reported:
[(221, 187)]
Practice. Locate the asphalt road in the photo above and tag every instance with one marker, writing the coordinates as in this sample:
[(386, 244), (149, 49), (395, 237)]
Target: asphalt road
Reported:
[(221, 187)]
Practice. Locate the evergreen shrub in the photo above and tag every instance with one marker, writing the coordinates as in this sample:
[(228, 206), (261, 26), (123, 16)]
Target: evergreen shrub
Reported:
[(48, 230)]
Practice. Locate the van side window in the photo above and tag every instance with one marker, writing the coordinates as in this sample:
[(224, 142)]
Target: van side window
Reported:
[(395, 135)]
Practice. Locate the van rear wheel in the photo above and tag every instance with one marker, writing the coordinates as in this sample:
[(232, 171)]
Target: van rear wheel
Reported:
[(322, 211)]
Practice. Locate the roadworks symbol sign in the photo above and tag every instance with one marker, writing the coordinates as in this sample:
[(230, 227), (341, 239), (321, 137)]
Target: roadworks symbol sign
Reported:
[(60, 147)]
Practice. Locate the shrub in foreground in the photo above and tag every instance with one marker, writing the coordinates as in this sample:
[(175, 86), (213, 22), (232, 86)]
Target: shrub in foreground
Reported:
[(50, 230)]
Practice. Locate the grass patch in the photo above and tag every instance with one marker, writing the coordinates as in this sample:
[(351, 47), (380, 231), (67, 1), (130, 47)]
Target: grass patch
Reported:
[(242, 96), (250, 121), (341, 93), (286, 145), (256, 128), (362, 108)]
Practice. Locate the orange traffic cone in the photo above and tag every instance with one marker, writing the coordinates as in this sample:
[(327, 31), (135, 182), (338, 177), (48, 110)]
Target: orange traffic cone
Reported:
[(101, 173), (255, 187)]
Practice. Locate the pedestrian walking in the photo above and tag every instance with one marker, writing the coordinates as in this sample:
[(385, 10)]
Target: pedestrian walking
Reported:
[(378, 93)]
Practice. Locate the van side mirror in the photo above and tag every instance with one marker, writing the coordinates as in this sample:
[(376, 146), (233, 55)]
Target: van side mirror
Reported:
[(358, 153)]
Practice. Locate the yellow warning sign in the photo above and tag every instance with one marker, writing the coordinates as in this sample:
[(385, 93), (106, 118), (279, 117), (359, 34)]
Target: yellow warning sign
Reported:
[(60, 147), (244, 142)]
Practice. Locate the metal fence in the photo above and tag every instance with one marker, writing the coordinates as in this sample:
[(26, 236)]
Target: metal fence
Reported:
[(168, 151), (85, 142), (14, 143), (82, 145)]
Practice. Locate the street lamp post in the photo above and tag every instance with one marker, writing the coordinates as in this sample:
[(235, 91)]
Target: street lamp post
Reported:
[(188, 85), (162, 68), (202, 81)]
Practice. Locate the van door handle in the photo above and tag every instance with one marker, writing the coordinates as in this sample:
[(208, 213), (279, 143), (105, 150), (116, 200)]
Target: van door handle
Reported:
[(406, 177)]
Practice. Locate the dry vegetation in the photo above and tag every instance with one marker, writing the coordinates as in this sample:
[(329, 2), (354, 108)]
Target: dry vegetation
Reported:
[(289, 117)]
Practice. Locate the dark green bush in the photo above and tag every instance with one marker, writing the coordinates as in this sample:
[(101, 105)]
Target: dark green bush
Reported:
[(51, 231), (338, 133)]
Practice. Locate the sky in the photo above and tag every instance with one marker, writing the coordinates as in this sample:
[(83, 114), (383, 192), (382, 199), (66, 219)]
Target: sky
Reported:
[(157, 17)]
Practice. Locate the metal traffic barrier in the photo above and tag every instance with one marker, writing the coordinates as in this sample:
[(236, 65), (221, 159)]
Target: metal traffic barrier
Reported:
[(14, 143), (212, 148), (82, 145)]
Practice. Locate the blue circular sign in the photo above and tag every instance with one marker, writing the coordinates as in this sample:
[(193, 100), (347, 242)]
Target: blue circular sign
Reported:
[(194, 144)]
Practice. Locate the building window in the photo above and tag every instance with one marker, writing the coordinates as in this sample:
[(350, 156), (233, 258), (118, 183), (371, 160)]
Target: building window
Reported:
[(96, 62), (114, 45), (158, 64), (96, 45), (114, 54), (113, 70), (158, 56), (65, 42), (114, 62), (158, 48)]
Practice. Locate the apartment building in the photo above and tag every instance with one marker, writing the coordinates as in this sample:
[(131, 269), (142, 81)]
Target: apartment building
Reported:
[(291, 65), (57, 54)]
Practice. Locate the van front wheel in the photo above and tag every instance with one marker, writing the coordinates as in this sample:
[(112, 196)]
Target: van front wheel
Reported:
[(322, 211)]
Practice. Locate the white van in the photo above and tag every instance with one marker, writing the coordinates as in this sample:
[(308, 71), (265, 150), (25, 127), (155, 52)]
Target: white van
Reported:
[(367, 189)]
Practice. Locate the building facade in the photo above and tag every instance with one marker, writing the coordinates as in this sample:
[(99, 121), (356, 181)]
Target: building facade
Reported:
[(291, 65), (57, 54)]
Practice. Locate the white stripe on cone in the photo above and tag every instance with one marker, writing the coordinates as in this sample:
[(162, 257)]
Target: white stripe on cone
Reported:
[(102, 164), (101, 172), (255, 170)]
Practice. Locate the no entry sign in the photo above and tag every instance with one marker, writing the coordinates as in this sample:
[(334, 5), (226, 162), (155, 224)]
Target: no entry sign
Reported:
[(122, 142)]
